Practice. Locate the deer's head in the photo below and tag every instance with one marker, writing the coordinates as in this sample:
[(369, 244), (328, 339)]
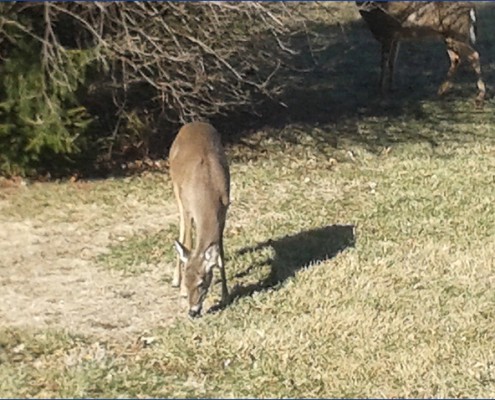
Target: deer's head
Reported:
[(198, 273)]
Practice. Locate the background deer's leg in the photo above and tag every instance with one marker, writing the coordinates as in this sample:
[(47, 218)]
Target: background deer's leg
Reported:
[(392, 58), (384, 66), (457, 51), (474, 59), (455, 61), (390, 49)]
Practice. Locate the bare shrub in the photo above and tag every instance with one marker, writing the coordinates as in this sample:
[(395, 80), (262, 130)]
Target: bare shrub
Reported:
[(137, 63)]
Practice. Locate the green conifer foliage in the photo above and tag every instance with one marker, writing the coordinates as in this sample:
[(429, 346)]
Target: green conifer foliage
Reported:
[(39, 114)]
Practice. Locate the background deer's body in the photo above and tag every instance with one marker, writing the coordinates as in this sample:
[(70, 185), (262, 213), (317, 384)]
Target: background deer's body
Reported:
[(455, 22), (201, 181)]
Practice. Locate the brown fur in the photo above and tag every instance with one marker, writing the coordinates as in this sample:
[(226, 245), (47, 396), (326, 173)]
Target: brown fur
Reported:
[(201, 181)]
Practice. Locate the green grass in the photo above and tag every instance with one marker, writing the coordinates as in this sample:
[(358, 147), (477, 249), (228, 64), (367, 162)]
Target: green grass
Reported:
[(406, 307), (408, 311), (136, 254)]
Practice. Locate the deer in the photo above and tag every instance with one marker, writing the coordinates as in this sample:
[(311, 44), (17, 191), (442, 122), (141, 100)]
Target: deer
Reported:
[(200, 177), (454, 22)]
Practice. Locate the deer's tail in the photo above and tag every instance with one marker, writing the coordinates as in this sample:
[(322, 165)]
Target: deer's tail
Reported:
[(473, 28)]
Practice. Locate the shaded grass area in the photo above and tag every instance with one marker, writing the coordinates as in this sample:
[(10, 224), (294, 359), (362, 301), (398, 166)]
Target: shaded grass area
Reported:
[(360, 250), (340, 92)]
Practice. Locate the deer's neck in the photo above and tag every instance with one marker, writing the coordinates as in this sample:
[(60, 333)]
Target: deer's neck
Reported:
[(209, 230)]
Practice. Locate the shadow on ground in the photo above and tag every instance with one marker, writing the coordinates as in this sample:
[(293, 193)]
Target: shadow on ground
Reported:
[(327, 93), (293, 253)]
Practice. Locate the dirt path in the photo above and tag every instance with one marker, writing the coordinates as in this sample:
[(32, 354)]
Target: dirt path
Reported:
[(49, 277)]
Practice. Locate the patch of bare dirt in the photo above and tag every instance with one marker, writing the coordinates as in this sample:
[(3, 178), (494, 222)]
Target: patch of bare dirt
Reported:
[(49, 277)]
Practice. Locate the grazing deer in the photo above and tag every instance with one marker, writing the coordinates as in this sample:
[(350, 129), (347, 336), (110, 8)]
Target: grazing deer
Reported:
[(201, 181), (455, 22)]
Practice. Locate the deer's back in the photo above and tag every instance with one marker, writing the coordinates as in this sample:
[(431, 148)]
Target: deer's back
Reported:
[(418, 19), (198, 165)]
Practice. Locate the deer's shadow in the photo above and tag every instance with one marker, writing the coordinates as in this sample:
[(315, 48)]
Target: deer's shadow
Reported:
[(292, 253)]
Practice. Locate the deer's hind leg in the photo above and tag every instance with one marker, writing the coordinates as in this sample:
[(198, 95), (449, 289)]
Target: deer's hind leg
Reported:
[(474, 59), (390, 50), (455, 60), (221, 264), (457, 51), (225, 290)]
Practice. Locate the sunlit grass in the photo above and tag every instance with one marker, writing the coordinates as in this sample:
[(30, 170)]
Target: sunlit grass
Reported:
[(360, 254)]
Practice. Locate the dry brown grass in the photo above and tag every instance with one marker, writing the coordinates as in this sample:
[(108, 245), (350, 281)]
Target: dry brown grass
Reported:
[(403, 308)]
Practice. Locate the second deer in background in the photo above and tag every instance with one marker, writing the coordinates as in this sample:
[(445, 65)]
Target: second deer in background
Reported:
[(455, 22)]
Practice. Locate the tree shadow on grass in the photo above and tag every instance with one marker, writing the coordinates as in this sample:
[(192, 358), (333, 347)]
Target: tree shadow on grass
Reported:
[(340, 89), (328, 94), (292, 253)]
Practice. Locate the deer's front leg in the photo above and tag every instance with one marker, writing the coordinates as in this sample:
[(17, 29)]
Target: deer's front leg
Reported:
[(176, 278), (455, 60), (188, 244), (390, 49)]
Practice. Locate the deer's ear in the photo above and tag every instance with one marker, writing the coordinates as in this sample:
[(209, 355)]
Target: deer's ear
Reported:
[(212, 257), (182, 251)]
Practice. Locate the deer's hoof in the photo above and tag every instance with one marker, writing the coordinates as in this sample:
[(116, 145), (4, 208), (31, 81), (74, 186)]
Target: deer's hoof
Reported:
[(444, 88), (175, 282), (479, 102)]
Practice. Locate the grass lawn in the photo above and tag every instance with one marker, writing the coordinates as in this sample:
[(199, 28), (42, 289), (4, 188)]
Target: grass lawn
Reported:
[(360, 248)]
